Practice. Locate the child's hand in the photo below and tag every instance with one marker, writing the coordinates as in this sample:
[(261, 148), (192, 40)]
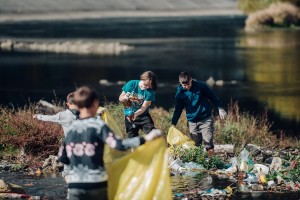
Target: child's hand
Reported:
[(131, 118), (101, 110), (35, 116)]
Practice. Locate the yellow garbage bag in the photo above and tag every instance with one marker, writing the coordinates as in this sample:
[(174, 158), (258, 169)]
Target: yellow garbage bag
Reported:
[(111, 154), (111, 123), (176, 137), (141, 175)]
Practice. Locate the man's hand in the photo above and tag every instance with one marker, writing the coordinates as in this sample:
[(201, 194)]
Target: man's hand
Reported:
[(222, 113), (154, 133)]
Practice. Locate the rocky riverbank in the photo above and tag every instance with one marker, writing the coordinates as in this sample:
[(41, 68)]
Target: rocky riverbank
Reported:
[(74, 47)]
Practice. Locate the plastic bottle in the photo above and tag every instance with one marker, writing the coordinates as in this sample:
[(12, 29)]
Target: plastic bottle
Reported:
[(209, 179), (244, 154), (244, 158), (251, 178), (128, 110), (234, 163)]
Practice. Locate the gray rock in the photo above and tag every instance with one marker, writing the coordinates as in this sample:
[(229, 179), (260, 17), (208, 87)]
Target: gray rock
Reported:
[(51, 164), (10, 188), (254, 149)]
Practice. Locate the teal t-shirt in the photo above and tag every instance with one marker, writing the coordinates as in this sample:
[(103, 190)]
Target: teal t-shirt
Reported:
[(138, 95)]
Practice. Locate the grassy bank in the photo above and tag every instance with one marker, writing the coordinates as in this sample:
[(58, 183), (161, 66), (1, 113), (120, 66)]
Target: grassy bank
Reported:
[(22, 136)]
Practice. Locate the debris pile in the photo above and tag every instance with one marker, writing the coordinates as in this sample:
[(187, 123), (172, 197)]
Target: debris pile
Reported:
[(278, 173)]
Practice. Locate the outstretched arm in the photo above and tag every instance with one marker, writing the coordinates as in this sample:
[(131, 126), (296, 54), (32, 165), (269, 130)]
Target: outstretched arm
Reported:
[(112, 141), (177, 112), (216, 101), (48, 118), (123, 144)]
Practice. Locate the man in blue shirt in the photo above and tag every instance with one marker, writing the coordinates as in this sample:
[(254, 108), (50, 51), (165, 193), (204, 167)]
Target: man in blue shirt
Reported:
[(193, 96)]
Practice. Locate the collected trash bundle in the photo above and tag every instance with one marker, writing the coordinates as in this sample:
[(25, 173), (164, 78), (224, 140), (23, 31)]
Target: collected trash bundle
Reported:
[(278, 175)]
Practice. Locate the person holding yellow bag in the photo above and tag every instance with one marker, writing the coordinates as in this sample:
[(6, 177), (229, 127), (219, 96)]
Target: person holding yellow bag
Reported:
[(82, 149), (194, 96)]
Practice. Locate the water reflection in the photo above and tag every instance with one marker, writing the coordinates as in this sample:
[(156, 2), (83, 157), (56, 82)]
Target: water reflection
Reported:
[(47, 186), (52, 186), (273, 67), (271, 39)]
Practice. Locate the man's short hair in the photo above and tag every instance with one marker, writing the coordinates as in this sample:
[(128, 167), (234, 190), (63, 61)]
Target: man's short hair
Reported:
[(184, 77)]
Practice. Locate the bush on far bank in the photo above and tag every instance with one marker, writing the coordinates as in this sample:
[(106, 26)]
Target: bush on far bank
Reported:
[(276, 15)]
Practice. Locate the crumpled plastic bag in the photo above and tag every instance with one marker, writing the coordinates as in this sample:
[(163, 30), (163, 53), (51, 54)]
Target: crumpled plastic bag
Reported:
[(176, 137), (141, 175)]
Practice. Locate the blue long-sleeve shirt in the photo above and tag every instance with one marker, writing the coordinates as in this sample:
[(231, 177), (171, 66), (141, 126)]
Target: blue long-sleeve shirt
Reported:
[(195, 102)]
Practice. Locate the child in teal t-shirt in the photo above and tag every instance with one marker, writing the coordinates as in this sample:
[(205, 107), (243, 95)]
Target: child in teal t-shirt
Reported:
[(137, 96)]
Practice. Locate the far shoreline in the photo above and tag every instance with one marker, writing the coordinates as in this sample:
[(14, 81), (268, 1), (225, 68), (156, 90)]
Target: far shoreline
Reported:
[(77, 15)]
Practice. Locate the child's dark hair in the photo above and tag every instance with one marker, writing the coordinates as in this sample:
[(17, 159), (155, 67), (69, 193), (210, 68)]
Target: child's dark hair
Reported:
[(85, 96)]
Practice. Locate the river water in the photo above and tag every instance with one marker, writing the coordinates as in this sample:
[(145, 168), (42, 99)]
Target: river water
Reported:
[(52, 186), (259, 69)]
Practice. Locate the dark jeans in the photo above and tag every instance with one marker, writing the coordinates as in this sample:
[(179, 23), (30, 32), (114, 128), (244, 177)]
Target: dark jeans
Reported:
[(143, 122)]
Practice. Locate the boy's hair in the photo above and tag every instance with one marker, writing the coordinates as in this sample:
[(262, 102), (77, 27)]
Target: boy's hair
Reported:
[(151, 76), (184, 77), (85, 96), (70, 98)]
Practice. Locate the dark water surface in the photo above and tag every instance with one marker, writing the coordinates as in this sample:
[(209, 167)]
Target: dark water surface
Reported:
[(46, 186), (259, 70), (52, 186)]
